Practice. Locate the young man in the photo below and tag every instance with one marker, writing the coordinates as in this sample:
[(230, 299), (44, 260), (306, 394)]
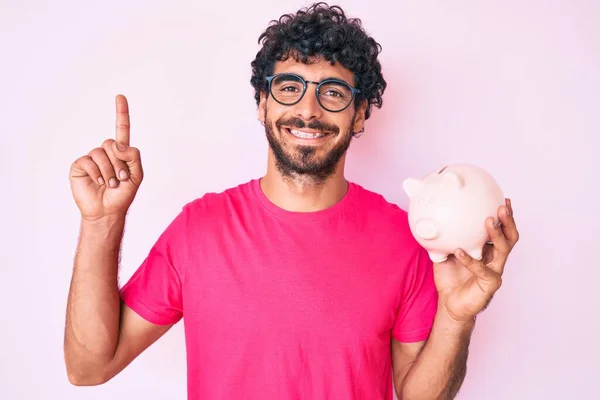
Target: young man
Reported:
[(296, 285)]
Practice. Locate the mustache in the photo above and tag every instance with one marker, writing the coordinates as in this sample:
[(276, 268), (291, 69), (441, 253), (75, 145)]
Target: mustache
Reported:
[(295, 122)]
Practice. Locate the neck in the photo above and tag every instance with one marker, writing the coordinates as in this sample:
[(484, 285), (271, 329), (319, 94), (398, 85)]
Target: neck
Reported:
[(301, 194)]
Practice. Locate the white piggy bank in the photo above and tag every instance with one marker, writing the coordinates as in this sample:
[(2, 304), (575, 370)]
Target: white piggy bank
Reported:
[(448, 208)]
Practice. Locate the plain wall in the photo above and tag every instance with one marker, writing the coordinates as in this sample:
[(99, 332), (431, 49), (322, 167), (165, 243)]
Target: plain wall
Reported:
[(512, 86)]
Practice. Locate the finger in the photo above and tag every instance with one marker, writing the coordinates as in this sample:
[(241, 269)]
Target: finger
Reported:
[(490, 278), (509, 226), (131, 156), (497, 238), (101, 159), (501, 246), (122, 123), (85, 166), (120, 167), (487, 254)]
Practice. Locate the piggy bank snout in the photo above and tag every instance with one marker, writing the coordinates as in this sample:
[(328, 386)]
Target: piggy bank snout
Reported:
[(427, 229)]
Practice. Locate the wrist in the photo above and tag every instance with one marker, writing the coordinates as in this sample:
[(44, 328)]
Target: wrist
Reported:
[(104, 222), (454, 325), (103, 232)]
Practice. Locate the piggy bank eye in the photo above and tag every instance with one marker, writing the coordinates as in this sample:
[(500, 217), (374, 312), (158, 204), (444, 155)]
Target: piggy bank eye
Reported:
[(427, 200)]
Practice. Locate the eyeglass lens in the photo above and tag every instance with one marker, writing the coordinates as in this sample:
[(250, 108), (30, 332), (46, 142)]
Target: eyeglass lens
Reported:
[(332, 95)]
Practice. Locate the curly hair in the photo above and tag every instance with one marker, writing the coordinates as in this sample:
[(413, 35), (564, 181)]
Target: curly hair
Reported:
[(325, 31)]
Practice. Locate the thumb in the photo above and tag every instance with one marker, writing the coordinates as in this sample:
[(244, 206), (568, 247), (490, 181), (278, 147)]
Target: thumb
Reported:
[(132, 158)]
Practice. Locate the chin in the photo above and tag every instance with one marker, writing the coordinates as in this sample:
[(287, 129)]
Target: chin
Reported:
[(306, 160)]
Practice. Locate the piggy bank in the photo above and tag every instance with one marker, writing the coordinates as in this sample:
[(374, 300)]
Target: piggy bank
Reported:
[(448, 208)]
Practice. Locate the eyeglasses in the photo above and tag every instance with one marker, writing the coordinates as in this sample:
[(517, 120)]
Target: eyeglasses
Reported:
[(333, 95)]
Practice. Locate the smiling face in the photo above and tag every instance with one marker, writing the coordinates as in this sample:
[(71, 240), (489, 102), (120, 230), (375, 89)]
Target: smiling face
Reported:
[(307, 141)]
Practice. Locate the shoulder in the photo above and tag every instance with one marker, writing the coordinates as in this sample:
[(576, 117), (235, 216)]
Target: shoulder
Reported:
[(218, 204), (388, 217), (376, 205)]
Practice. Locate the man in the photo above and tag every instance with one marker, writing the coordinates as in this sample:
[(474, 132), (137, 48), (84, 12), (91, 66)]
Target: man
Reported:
[(297, 285)]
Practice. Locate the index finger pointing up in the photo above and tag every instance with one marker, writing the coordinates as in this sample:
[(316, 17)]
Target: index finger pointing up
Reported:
[(122, 125)]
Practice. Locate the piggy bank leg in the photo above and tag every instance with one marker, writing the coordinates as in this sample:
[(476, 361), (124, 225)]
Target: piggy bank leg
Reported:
[(437, 257), (475, 253)]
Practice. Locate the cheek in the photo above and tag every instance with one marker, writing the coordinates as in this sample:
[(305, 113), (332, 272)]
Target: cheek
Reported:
[(349, 120), (273, 114)]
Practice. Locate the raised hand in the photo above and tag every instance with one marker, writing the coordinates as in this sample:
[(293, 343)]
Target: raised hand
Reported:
[(105, 181), (466, 285)]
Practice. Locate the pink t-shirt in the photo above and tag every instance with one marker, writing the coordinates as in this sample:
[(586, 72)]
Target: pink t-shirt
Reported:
[(287, 305)]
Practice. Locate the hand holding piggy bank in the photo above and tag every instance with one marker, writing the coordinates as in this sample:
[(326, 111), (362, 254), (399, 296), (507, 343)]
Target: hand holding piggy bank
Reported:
[(448, 208)]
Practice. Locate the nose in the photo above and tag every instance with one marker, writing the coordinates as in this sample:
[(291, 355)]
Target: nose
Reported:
[(308, 108)]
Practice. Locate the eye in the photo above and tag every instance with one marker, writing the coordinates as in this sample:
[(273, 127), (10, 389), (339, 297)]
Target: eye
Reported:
[(427, 200), (335, 89), (333, 93), (290, 88)]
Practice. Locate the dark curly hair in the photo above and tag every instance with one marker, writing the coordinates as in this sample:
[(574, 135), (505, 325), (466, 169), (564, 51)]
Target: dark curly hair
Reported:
[(325, 31)]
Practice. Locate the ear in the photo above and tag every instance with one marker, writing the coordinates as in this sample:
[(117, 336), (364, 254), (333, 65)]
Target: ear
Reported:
[(452, 180), (412, 186), (262, 104), (359, 118)]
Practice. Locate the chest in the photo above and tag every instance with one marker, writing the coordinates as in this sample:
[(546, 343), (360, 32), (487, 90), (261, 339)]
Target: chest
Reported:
[(305, 288)]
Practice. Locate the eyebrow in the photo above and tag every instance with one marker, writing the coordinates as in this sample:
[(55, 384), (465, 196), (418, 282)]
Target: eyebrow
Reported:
[(335, 78)]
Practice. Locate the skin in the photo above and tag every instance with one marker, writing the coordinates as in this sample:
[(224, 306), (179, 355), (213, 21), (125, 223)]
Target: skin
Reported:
[(308, 192), (102, 335)]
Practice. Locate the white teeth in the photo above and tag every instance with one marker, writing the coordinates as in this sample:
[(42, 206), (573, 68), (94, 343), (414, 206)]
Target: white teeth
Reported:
[(306, 135)]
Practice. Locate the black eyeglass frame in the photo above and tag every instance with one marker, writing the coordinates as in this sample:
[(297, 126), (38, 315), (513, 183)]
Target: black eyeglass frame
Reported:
[(305, 83)]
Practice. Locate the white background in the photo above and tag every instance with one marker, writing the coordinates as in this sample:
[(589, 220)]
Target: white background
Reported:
[(512, 86)]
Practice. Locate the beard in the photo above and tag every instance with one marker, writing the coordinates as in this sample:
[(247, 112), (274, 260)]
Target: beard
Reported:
[(304, 162)]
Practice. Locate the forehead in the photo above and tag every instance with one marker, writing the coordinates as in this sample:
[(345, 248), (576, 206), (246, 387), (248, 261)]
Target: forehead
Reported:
[(316, 70)]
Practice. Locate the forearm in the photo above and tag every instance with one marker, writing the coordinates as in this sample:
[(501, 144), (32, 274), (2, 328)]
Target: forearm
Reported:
[(93, 307), (439, 370)]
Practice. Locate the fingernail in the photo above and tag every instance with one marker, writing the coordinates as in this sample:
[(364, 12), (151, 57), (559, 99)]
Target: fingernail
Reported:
[(101, 181), (120, 147), (461, 253), (123, 174), (112, 182)]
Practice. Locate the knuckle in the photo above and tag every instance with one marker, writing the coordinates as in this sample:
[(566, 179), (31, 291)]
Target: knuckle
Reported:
[(76, 166), (97, 152), (88, 166), (497, 280), (82, 160), (135, 152), (107, 143), (483, 269)]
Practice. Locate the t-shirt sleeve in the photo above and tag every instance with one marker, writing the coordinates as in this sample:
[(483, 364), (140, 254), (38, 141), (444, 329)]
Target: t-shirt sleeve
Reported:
[(154, 291), (419, 300)]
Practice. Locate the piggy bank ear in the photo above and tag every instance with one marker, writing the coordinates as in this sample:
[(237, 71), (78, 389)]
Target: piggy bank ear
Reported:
[(411, 186), (452, 180)]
